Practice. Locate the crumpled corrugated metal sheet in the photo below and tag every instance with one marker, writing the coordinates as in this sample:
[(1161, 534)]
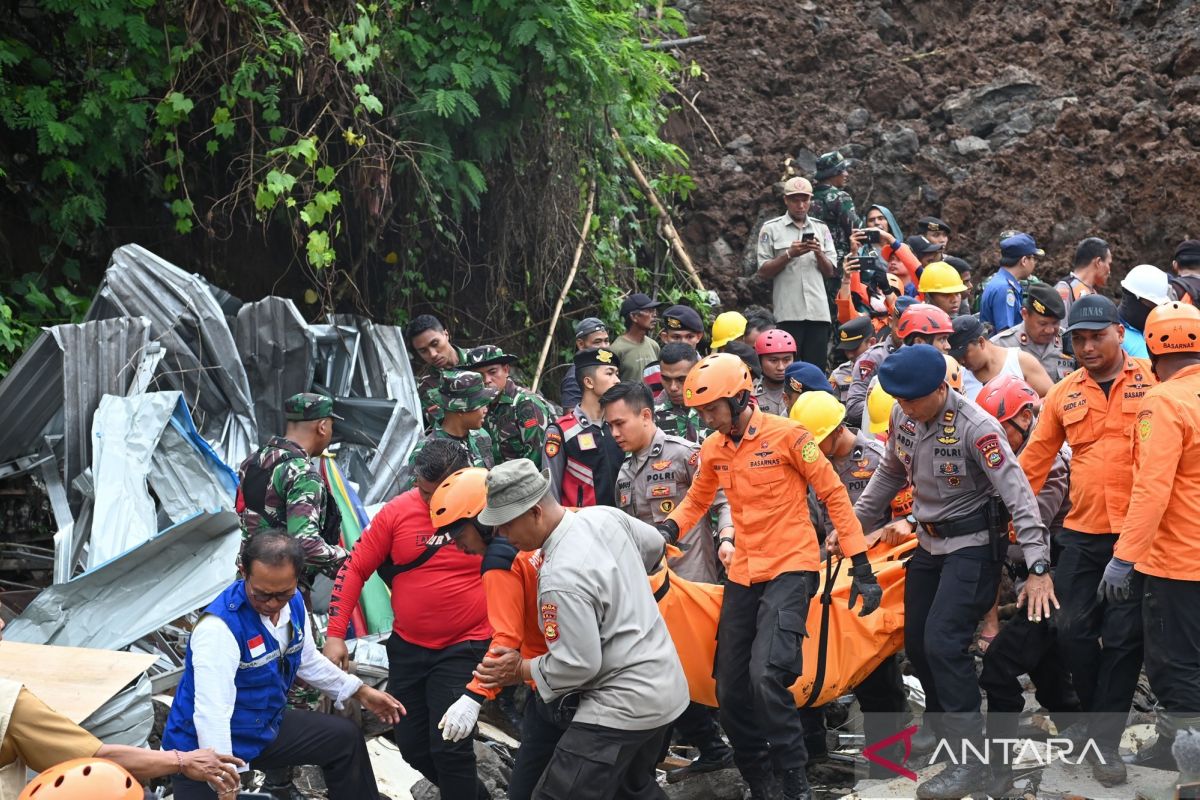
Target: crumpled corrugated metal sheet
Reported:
[(201, 358), (30, 396), (99, 358), (383, 366), (389, 466), (179, 570), (278, 353), (144, 439)]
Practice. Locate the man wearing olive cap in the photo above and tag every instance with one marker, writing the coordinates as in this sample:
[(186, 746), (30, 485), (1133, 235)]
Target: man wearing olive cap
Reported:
[(463, 399), (280, 488), (1039, 331), (831, 203), (611, 669), (517, 418), (957, 459)]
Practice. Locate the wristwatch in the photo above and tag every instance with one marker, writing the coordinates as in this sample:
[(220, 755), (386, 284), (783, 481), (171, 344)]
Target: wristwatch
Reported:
[(1039, 567), (911, 520)]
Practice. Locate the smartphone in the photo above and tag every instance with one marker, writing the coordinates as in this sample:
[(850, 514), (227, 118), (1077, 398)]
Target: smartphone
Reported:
[(873, 235), (808, 237)]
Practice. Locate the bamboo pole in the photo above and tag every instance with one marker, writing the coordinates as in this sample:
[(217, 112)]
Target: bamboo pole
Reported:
[(668, 228), (562, 296)]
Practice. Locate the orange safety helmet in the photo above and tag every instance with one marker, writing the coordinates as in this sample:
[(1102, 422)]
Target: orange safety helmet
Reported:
[(1005, 396), (954, 375), (461, 496), (1173, 328), (84, 779), (716, 376), (924, 319)]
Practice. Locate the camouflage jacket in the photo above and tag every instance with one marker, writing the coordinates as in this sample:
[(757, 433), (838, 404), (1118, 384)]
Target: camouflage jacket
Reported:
[(427, 390), (516, 421), (680, 421), (835, 207), (295, 493), (478, 444)]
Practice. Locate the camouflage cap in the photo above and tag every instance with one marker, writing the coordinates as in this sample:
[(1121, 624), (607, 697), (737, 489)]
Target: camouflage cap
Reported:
[(462, 390), (308, 406), (830, 164), (486, 356)]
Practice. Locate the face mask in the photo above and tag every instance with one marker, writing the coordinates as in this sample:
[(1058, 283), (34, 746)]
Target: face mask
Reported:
[(1133, 310)]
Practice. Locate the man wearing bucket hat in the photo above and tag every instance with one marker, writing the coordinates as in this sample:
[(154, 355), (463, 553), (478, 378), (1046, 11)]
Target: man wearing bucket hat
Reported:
[(463, 399), (280, 488), (611, 668), (517, 418)]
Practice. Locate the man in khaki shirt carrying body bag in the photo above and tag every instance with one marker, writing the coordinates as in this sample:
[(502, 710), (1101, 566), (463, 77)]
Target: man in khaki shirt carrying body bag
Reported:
[(611, 668)]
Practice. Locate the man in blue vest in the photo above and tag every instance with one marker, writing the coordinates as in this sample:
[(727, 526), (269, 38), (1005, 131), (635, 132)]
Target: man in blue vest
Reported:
[(1003, 296), (250, 644)]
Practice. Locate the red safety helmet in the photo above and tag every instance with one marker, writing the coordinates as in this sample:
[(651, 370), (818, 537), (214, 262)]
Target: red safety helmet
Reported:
[(774, 341), (1005, 396), (924, 319), (1173, 328), (84, 779)]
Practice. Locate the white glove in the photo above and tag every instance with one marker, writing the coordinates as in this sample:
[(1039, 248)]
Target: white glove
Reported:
[(459, 719)]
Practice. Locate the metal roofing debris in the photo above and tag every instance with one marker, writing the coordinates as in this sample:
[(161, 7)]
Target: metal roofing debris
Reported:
[(279, 355), (99, 358), (115, 604), (201, 359)]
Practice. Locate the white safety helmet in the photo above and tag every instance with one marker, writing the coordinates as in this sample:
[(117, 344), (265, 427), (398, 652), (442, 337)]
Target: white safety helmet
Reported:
[(1147, 282)]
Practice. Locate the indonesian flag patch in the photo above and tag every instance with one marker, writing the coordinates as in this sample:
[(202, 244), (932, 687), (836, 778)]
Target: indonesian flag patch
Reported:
[(257, 646)]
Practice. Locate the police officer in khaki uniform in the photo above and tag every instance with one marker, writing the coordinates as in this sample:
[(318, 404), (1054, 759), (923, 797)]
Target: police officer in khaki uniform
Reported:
[(956, 456), (853, 339), (1038, 332), (611, 667), (657, 473)]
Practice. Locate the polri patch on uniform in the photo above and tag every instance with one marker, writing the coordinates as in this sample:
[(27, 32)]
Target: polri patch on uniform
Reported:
[(666, 506), (810, 452), (1143, 424), (624, 499), (587, 441), (552, 447), (659, 466), (695, 459), (550, 631), (866, 369), (949, 468), (954, 481), (661, 490), (989, 447), (549, 612), (908, 426)]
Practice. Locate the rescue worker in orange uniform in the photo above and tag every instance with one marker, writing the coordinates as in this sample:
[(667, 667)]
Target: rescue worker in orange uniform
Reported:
[(1158, 538), (1093, 410), (510, 583), (765, 464)]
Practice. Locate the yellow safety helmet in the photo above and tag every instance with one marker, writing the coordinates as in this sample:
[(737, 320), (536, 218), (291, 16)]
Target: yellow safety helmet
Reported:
[(819, 412), (726, 327), (954, 375), (879, 409), (940, 277)]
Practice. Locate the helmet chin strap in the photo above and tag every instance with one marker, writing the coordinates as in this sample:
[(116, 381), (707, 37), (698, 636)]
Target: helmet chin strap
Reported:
[(736, 406)]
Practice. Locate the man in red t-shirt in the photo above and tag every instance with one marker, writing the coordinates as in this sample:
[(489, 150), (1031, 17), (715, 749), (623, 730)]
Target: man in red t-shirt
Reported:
[(440, 629)]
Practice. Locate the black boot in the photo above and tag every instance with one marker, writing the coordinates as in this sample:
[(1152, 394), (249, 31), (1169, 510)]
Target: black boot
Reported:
[(795, 785), (1108, 769), (955, 782), (923, 741), (711, 759), (1157, 755), (763, 785)]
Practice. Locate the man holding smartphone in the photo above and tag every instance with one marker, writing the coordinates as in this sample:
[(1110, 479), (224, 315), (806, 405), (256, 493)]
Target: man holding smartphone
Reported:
[(796, 252)]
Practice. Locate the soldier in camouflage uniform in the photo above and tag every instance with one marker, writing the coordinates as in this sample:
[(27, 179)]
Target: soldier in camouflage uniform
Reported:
[(430, 340), (517, 418), (831, 203), (463, 400), (675, 362), (280, 488)]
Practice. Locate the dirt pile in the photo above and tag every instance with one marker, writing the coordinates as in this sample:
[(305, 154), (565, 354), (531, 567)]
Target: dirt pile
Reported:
[(1065, 120)]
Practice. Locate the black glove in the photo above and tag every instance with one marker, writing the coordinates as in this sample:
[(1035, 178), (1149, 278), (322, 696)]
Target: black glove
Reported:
[(865, 585), (669, 530)]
